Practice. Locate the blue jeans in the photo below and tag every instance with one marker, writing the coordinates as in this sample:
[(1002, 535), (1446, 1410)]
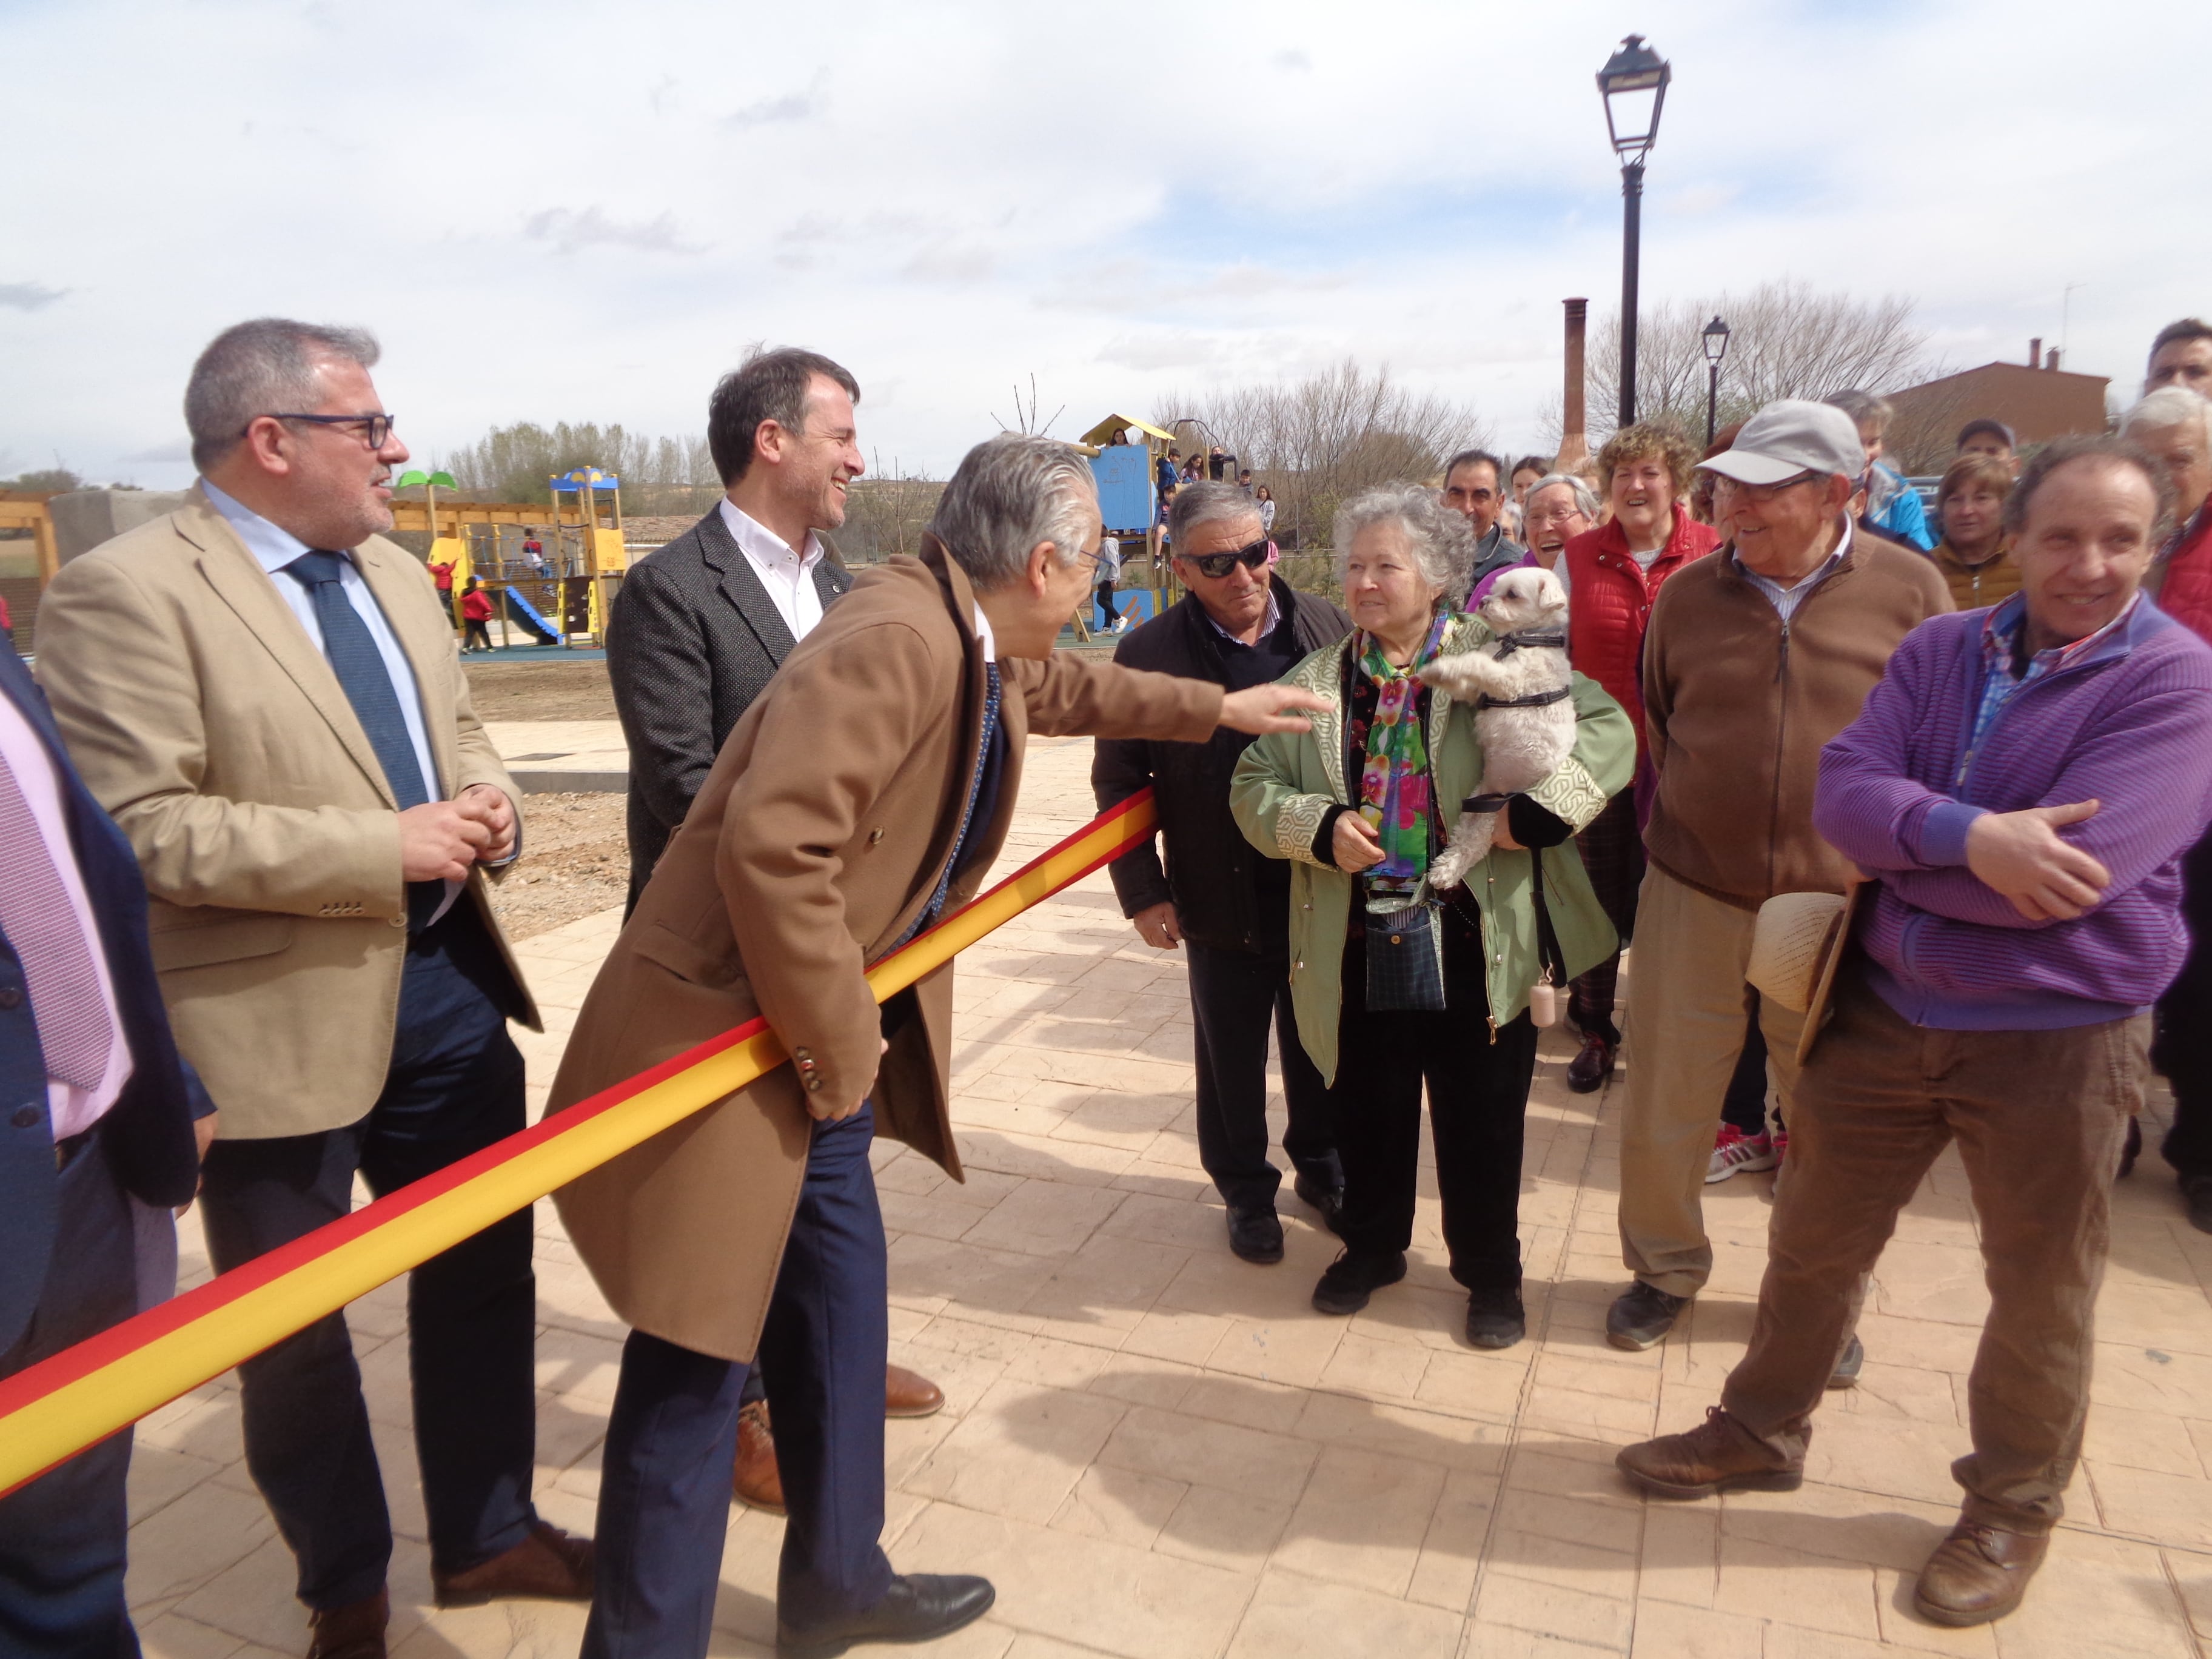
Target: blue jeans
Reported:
[(665, 1474)]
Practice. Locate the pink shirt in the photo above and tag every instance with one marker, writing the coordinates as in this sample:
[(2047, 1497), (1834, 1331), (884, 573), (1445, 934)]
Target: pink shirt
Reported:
[(73, 1110)]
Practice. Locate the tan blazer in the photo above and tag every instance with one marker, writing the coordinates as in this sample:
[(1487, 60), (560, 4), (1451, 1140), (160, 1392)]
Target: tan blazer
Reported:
[(817, 838), (205, 719)]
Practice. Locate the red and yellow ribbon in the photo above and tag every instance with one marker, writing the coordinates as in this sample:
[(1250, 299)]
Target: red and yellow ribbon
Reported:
[(53, 1410)]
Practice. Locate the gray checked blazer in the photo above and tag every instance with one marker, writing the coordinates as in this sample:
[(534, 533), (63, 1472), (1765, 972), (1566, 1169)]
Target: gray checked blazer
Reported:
[(692, 640)]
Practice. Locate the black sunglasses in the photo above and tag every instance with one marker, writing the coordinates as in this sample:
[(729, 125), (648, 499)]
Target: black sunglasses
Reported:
[(1217, 565), (374, 428)]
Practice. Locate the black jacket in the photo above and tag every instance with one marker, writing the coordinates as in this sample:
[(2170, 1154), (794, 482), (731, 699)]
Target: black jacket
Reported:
[(692, 640), (1208, 872)]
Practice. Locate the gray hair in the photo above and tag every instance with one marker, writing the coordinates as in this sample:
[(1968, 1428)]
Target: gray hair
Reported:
[(1442, 546), (2169, 406), (1010, 493), (266, 367), (1866, 407), (1586, 502), (1206, 503)]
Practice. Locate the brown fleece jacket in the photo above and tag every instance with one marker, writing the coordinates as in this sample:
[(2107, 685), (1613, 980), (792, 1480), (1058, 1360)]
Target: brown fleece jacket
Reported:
[(1737, 706)]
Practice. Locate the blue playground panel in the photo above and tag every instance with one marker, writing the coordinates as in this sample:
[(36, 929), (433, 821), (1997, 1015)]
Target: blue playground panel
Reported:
[(1124, 472), (531, 619)]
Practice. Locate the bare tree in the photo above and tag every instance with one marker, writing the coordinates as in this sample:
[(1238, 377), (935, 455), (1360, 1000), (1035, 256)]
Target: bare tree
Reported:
[(1785, 341), (1026, 414), (659, 475), (885, 513), (1315, 440)]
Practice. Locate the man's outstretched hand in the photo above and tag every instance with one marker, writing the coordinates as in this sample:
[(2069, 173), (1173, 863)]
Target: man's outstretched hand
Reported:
[(1258, 710), (2020, 855)]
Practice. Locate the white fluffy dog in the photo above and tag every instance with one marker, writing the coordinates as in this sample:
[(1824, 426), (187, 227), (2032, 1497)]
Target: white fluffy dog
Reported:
[(1519, 684)]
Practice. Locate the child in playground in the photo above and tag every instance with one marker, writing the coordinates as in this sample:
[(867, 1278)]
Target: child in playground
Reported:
[(476, 611)]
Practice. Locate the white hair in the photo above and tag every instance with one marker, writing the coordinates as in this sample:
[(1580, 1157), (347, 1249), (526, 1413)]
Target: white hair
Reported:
[(1442, 546), (1009, 494), (2168, 407), (1586, 503)]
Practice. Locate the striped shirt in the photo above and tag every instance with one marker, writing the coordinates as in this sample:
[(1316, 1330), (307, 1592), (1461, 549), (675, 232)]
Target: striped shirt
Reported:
[(1785, 600)]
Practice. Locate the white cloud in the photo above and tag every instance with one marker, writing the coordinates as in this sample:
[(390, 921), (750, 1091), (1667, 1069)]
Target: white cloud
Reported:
[(990, 190)]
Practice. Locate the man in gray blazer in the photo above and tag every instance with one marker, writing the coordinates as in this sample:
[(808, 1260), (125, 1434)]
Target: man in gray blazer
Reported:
[(702, 624), (699, 629)]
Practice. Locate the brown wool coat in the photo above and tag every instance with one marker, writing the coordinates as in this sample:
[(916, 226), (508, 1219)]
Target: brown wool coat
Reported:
[(1736, 707), (818, 836)]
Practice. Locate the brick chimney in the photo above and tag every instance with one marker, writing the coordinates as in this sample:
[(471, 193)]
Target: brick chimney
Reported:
[(2050, 359), (2035, 352), (1574, 437)]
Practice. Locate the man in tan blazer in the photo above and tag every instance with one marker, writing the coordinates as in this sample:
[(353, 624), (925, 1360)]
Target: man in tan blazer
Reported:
[(865, 794), (265, 693)]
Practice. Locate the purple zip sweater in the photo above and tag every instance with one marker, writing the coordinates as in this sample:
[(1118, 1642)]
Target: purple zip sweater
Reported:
[(2128, 724)]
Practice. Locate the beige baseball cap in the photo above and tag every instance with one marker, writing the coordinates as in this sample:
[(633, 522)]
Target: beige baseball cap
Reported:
[(1790, 437)]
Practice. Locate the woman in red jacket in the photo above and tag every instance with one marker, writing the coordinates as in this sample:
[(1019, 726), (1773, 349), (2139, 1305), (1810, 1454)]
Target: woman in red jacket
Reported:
[(1615, 571)]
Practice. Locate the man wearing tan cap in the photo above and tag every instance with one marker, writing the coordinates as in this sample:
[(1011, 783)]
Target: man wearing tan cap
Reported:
[(1754, 658)]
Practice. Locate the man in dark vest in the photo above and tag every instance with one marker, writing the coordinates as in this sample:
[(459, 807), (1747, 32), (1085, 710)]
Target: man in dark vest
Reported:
[(1239, 625)]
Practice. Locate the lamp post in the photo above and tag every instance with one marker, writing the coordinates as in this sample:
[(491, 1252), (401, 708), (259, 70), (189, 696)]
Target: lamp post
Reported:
[(1716, 336), (1634, 83)]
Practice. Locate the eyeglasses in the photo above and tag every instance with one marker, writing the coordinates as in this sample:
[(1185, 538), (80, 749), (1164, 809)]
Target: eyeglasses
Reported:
[(1218, 565), (375, 429), (1768, 492)]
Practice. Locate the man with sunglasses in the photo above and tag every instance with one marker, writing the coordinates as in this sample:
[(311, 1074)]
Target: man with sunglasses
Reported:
[(1238, 625), (1755, 656), (263, 692)]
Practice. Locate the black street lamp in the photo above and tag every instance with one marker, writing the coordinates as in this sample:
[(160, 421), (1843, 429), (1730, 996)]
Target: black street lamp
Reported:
[(1634, 81), (1716, 336)]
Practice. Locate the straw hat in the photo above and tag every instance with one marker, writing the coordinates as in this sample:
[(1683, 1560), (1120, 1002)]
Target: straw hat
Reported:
[(1789, 944)]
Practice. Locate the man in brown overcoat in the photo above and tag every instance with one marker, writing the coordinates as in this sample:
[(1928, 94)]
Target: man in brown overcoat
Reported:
[(863, 795)]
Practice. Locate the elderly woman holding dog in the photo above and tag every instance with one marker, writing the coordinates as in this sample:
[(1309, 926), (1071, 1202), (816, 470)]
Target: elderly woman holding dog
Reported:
[(1394, 982)]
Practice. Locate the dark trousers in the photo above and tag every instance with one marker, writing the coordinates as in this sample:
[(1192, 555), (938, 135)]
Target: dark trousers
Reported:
[(454, 1087), (665, 1474), (1478, 1090), (1612, 849), (476, 635), (1744, 1105), (62, 1537), (2182, 1051), (1235, 996), (1103, 594)]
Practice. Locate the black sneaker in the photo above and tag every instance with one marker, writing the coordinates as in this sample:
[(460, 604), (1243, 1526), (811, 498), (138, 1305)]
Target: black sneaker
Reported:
[(1641, 1315), (1328, 1201), (1351, 1279), (2196, 1192), (1495, 1318), (1257, 1235)]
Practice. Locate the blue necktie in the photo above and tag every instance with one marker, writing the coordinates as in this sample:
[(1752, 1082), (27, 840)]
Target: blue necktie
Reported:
[(360, 667), (983, 757)]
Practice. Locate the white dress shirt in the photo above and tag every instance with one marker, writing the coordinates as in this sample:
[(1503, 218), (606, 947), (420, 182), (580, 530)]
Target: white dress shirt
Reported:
[(71, 1110), (787, 576), (273, 548)]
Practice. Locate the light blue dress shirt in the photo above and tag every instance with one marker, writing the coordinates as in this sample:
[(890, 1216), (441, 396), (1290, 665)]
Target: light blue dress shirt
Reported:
[(273, 548)]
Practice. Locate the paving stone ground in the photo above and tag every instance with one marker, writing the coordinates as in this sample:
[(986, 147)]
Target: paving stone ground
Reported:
[(1160, 1452)]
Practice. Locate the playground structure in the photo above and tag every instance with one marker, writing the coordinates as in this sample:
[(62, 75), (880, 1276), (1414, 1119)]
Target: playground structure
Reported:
[(562, 596), (1128, 501)]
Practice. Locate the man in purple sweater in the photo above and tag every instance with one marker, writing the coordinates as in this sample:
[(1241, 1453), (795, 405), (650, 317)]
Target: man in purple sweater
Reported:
[(2021, 785)]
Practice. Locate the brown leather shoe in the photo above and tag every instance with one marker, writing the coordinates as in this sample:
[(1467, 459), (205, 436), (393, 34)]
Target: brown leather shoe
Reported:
[(547, 1566), (910, 1393), (354, 1630), (1977, 1574), (1591, 1066), (1719, 1455), (756, 1480)]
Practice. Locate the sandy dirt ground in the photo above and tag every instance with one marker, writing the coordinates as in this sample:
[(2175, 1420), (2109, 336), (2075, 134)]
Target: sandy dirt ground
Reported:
[(575, 861), (541, 691)]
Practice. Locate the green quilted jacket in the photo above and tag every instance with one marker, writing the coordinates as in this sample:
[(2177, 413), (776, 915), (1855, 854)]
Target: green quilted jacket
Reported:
[(1286, 782)]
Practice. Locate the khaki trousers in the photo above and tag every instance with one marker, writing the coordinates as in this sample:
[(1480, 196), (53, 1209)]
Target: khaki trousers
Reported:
[(1687, 1008), (2038, 1117)]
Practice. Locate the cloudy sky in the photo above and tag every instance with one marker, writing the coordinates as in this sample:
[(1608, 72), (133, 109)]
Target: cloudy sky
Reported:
[(553, 211)]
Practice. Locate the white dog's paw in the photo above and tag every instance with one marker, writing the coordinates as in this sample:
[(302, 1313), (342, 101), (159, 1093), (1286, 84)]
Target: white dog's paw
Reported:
[(1462, 675)]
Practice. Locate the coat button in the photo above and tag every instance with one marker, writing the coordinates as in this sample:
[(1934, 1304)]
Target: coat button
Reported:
[(814, 1085), (10, 997), (25, 1116), (399, 920), (802, 1053), (1397, 938), (874, 836)]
